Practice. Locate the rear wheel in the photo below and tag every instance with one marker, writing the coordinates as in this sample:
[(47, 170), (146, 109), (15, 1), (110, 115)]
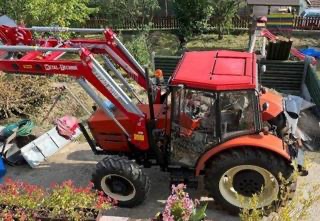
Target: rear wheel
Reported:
[(234, 176), (122, 180)]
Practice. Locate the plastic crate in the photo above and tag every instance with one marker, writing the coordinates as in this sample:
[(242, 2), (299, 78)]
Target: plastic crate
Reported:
[(2, 169)]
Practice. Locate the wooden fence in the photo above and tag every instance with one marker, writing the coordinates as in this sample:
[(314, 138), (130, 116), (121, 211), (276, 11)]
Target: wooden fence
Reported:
[(159, 23), (311, 23), (171, 23)]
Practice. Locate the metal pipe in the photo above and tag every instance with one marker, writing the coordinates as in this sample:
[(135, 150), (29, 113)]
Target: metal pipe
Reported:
[(77, 100), (129, 55), (263, 49), (114, 87), (57, 46), (36, 48), (252, 42), (151, 125), (110, 87), (64, 29), (150, 97), (122, 63), (100, 102), (120, 77), (88, 138)]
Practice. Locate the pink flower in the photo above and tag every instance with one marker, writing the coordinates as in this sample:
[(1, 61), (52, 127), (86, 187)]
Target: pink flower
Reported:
[(68, 183), (179, 206)]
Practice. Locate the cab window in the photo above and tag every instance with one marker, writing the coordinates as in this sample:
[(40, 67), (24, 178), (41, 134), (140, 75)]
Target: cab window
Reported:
[(237, 113)]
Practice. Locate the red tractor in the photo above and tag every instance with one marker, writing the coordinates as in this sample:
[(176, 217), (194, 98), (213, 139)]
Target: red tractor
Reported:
[(208, 120)]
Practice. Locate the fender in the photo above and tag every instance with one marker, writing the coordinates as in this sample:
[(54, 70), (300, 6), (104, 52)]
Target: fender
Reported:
[(275, 105), (260, 141)]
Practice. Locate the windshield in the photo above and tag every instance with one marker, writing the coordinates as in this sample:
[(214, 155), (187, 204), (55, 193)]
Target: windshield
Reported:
[(202, 119), (237, 113)]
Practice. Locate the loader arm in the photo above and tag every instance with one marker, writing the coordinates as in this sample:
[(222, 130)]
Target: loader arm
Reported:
[(110, 46), (43, 61)]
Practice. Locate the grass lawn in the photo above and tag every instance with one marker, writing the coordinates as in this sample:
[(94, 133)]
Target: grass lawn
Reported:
[(210, 42), (164, 43)]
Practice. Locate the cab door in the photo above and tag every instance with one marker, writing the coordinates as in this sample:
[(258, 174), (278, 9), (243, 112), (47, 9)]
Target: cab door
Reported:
[(194, 125)]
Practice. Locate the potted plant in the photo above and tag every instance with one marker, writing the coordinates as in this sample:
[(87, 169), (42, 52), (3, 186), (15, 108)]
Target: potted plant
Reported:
[(180, 207), (18, 200), (24, 201)]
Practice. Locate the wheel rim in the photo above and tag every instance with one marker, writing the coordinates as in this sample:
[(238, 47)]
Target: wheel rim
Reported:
[(118, 187), (239, 183)]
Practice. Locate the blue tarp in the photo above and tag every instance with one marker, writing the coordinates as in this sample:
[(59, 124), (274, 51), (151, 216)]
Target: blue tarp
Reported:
[(311, 52)]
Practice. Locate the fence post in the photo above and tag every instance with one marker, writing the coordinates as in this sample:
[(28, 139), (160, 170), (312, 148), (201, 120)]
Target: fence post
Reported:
[(153, 66), (252, 42)]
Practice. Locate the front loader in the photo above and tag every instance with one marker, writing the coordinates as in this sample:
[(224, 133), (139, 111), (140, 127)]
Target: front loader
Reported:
[(207, 121)]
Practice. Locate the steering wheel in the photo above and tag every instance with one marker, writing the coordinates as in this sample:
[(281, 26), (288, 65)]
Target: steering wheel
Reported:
[(192, 109)]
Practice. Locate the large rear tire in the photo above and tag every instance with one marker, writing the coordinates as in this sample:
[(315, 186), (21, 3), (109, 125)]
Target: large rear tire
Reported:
[(232, 178), (122, 180)]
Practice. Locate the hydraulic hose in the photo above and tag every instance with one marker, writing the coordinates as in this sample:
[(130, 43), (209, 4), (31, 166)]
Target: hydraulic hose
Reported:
[(24, 128)]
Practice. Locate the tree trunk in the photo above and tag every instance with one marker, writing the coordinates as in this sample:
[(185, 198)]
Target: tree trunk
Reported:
[(220, 32)]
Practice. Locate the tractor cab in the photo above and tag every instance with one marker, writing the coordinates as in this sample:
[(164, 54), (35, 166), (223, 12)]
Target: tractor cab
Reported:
[(213, 100)]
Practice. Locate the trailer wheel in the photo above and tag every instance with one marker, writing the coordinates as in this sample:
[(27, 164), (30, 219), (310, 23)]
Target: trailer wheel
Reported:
[(234, 176), (122, 180)]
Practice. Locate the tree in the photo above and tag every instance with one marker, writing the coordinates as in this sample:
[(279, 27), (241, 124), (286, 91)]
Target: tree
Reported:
[(47, 12), (192, 16), (13, 8), (224, 11), (120, 11)]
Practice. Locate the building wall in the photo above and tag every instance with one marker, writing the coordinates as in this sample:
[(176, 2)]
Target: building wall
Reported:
[(303, 6), (263, 10)]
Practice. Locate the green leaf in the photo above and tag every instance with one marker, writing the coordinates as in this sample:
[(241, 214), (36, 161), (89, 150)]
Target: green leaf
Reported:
[(199, 214)]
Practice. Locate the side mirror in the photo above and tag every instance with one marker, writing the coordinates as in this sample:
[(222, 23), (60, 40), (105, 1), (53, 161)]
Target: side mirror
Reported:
[(265, 106)]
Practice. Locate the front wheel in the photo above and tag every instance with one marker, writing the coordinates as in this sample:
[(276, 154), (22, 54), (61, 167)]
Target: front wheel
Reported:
[(234, 176), (122, 180)]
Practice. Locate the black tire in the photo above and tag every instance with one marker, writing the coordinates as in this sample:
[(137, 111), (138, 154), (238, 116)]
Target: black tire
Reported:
[(120, 169), (272, 163)]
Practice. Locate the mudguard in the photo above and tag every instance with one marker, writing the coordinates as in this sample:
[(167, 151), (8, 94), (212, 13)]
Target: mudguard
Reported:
[(275, 105), (260, 141)]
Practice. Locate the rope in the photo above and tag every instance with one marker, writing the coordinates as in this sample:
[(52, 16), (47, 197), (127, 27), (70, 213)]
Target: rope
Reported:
[(24, 128)]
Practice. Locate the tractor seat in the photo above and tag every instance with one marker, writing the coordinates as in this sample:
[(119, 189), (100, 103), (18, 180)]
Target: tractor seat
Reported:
[(230, 120)]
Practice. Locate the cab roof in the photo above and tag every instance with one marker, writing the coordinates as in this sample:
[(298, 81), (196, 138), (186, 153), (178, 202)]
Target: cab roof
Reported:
[(216, 70)]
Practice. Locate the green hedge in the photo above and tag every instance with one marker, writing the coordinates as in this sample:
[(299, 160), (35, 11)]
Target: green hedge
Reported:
[(313, 85)]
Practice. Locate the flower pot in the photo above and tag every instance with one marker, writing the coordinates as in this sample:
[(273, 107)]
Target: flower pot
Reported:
[(44, 213), (14, 212), (87, 213)]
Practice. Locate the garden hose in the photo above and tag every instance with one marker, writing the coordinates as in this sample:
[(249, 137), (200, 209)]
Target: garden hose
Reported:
[(24, 128)]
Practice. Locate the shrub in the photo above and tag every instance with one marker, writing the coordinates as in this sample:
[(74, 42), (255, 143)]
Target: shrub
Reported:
[(18, 199), (192, 15), (224, 11), (23, 201), (139, 47), (23, 95)]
